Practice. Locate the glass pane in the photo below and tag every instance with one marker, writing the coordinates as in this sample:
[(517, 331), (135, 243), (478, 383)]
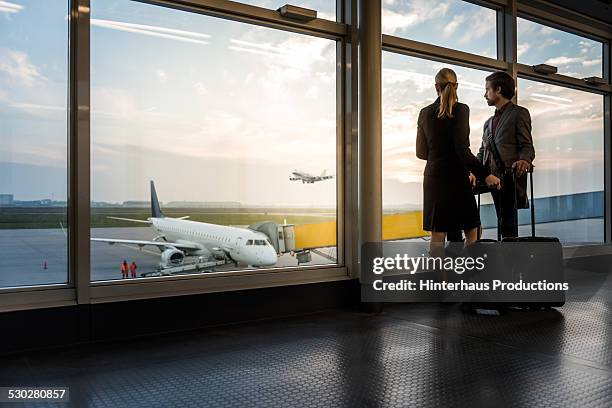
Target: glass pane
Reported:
[(452, 24), (326, 9), (408, 86), (569, 165), (220, 115), (573, 55), (34, 135)]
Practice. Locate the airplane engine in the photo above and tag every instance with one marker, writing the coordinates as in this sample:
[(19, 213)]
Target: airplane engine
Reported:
[(172, 257)]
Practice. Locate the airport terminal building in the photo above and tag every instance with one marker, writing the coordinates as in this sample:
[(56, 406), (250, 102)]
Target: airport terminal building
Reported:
[(191, 192)]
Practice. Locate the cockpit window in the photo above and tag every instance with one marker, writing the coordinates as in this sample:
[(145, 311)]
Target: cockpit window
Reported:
[(250, 242)]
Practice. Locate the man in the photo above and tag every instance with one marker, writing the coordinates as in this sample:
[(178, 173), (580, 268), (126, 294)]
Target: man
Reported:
[(124, 269), (133, 268), (507, 147)]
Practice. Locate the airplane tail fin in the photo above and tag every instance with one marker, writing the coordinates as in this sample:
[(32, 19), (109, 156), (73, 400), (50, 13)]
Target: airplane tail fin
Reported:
[(324, 173), (156, 211)]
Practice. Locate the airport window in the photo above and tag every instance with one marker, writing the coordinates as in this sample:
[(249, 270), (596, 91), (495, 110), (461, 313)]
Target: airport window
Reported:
[(34, 142), (452, 24), (235, 127), (568, 136), (573, 55), (326, 9), (408, 86)]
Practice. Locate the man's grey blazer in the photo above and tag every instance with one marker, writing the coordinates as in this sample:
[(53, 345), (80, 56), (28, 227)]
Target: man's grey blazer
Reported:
[(513, 141)]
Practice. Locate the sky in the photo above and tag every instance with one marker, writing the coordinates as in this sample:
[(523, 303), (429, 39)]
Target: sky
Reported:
[(567, 124), (216, 110)]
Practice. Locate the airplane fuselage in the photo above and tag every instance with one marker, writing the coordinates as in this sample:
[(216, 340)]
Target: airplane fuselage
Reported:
[(307, 178), (241, 244)]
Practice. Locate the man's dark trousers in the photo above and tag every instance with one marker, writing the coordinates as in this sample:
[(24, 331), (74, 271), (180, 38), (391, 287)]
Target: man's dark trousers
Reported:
[(505, 206)]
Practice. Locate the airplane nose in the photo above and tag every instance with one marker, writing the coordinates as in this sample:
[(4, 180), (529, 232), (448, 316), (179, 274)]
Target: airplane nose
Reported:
[(269, 258)]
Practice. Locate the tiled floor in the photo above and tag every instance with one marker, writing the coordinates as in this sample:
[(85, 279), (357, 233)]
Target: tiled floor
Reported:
[(411, 355)]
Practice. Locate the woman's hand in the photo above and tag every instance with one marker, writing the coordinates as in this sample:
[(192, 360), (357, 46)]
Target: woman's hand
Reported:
[(493, 182), (472, 180)]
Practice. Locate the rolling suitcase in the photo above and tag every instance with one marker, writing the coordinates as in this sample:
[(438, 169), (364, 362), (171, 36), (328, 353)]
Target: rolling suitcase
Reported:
[(543, 257)]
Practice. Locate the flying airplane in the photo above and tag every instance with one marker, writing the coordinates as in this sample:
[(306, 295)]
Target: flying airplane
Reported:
[(179, 237), (298, 175)]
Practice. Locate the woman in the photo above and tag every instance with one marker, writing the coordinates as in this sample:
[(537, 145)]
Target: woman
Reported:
[(443, 140)]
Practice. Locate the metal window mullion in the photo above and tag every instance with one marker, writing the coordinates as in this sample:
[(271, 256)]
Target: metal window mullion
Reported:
[(341, 174), (433, 52), (489, 3), (527, 71), (550, 14), (607, 117), (246, 13), (370, 124), (350, 136), (510, 41), (79, 232)]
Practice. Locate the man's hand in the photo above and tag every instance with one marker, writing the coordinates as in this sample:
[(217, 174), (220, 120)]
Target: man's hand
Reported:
[(493, 182), (472, 180), (521, 167)]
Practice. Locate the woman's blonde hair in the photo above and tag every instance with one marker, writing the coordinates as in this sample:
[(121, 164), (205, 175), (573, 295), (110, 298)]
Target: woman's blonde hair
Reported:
[(446, 79)]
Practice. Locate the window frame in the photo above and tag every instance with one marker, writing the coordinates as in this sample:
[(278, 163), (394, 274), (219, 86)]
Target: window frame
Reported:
[(551, 15), (79, 289)]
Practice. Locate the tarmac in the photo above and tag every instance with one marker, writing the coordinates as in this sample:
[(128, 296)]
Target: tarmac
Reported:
[(39, 256)]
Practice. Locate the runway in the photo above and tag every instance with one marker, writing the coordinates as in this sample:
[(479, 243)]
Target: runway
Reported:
[(26, 251)]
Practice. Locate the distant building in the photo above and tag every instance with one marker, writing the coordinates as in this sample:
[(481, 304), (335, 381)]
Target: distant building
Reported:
[(136, 204), (6, 200), (34, 203)]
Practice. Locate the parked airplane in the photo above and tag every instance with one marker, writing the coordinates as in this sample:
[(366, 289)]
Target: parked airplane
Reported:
[(308, 178), (178, 237)]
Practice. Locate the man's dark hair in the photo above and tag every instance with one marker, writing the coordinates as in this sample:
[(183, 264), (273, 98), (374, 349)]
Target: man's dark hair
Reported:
[(504, 81)]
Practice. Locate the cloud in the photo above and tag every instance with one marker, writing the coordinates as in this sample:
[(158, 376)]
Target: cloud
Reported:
[(480, 24), (551, 41), (592, 62), (10, 8), (18, 67), (161, 75), (452, 26), (552, 97), (521, 49), (545, 30), (563, 60), (154, 31), (393, 22), (398, 18), (200, 88), (421, 81), (297, 54), (37, 109)]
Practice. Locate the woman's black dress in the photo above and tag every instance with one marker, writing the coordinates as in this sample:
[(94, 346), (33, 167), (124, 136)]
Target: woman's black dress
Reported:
[(448, 200)]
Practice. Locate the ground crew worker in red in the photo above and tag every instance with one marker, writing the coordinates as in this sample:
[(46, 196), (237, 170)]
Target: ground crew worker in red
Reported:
[(133, 268), (124, 269)]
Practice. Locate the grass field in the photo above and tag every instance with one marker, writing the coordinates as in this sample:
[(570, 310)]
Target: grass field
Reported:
[(34, 218)]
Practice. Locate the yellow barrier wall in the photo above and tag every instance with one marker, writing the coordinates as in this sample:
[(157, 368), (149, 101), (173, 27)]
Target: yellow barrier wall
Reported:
[(395, 226), (321, 234)]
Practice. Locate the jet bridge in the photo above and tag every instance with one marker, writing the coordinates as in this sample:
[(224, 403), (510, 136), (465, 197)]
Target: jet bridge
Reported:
[(301, 239)]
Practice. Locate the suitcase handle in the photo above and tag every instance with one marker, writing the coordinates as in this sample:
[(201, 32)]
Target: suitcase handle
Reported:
[(531, 204)]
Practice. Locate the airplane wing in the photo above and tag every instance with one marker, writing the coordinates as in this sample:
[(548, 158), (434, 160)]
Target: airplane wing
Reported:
[(130, 220), (161, 244)]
